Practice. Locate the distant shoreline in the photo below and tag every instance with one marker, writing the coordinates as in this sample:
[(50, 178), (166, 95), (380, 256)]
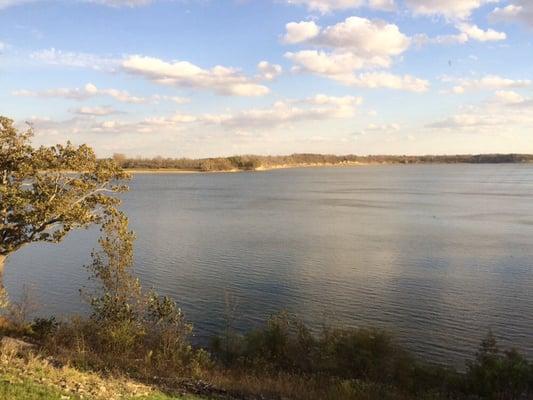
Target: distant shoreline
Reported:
[(258, 169), (142, 171), (255, 163), (343, 164)]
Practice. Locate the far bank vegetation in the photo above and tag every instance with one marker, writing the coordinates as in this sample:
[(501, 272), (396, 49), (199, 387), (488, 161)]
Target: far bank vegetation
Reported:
[(255, 162)]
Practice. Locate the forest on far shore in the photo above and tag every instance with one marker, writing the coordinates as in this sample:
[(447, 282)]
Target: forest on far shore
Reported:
[(254, 162)]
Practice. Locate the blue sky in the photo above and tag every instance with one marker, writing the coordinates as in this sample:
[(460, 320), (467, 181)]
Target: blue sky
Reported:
[(219, 77)]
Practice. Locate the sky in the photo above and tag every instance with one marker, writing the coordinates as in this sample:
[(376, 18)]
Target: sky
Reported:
[(201, 78)]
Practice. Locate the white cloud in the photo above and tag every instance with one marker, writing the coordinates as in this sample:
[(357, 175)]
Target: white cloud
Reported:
[(282, 113), (376, 80), (518, 11), (451, 9), (75, 94), (298, 32), (326, 6), (175, 99), (354, 44), (466, 32), (488, 82), (385, 5), (340, 67), (219, 79), (423, 39), (365, 37), (96, 111), (319, 107), (335, 65), (476, 33), (509, 97), (506, 113), (268, 71), (88, 91), (379, 129)]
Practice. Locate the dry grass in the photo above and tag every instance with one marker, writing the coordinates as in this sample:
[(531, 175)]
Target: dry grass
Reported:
[(20, 366)]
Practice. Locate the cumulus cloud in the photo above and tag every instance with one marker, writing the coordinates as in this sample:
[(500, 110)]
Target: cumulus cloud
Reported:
[(339, 66), (268, 71), (326, 6), (362, 36), (298, 32), (518, 11), (374, 41), (476, 33), (451, 9), (466, 33), (219, 79), (353, 45)]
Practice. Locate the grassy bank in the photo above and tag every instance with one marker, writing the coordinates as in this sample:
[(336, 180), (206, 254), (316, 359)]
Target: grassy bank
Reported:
[(281, 360), (27, 374)]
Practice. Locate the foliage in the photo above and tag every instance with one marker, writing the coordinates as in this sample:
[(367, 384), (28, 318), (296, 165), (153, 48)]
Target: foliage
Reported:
[(286, 344), (46, 192), (127, 323), (499, 375), (41, 328), (341, 359)]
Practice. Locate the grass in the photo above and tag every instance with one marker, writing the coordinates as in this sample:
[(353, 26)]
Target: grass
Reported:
[(27, 390), (26, 376)]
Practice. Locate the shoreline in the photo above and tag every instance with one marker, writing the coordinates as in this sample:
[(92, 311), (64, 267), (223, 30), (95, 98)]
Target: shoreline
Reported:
[(236, 170), (143, 171)]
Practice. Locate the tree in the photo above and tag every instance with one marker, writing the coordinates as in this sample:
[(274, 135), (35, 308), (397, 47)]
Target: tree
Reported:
[(46, 192)]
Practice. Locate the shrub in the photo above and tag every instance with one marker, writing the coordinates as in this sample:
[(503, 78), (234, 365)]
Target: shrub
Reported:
[(499, 375), (131, 330)]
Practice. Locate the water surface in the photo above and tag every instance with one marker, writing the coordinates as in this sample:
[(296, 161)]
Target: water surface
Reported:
[(437, 254)]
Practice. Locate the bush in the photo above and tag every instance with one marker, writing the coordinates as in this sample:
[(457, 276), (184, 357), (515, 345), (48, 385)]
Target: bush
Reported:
[(499, 375), (129, 330)]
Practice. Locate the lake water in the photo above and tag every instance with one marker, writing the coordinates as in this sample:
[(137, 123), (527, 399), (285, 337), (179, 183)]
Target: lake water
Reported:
[(435, 254)]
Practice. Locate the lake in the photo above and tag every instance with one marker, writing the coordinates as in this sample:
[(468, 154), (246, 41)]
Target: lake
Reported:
[(436, 254)]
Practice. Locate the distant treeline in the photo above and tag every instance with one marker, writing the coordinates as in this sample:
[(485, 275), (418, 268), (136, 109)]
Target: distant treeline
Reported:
[(253, 162)]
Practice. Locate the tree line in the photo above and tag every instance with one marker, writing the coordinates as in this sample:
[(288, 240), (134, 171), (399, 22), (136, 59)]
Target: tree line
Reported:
[(254, 162)]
